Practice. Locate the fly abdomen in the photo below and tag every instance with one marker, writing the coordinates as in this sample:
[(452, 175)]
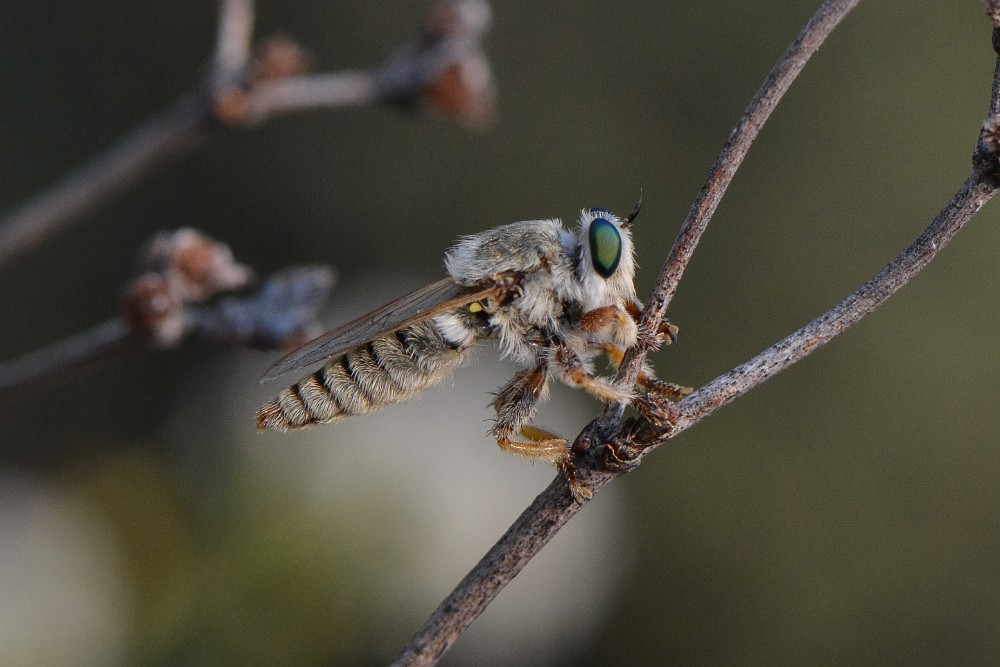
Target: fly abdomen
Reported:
[(389, 369)]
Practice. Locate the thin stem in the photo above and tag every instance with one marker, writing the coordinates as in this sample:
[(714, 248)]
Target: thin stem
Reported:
[(233, 40), (98, 342), (177, 130), (330, 90), (974, 194), (533, 529), (282, 313), (230, 98), (778, 81)]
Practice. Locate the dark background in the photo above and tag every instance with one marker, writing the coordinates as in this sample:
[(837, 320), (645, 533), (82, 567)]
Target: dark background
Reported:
[(844, 513)]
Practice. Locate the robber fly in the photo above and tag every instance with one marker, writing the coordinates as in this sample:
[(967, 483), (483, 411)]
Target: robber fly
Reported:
[(554, 299)]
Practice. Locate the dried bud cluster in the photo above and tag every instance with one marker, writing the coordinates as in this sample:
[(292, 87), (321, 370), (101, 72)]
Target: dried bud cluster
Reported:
[(279, 57), (993, 11), (176, 269), (990, 136), (282, 314), (197, 264), (444, 71), (182, 269)]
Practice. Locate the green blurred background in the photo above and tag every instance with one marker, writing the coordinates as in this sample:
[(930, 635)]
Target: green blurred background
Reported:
[(845, 513)]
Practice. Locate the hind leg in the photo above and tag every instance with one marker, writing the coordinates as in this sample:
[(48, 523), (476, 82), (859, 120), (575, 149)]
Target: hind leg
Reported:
[(515, 405)]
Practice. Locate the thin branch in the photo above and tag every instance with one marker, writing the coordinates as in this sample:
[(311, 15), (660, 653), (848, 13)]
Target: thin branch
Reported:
[(622, 452), (100, 342), (232, 42), (778, 81), (533, 529), (318, 91), (443, 71), (978, 189), (176, 131), (163, 307)]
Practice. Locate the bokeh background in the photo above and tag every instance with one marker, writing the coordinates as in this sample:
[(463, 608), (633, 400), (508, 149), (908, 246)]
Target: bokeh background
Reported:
[(845, 513)]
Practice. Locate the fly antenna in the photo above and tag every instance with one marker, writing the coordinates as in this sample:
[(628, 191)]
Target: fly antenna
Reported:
[(635, 212)]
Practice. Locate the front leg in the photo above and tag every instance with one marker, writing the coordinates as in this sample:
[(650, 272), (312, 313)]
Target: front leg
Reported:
[(666, 333), (610, 323)]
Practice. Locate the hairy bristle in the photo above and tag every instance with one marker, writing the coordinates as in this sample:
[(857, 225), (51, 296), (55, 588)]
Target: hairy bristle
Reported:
[(270, 417)]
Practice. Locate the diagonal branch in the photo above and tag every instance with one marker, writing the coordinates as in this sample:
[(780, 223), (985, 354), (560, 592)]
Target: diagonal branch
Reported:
[(442, 71), (977, 190), (176, 131), (102, 341), (778, 81)]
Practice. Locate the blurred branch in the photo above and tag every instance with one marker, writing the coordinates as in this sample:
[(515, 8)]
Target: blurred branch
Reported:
[(443, 71), (607, 449), (232, 41), (179, 271), (281, 315), (100, 342)]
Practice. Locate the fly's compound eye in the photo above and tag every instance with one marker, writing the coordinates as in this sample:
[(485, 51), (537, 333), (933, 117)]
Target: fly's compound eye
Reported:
[(605, 246)]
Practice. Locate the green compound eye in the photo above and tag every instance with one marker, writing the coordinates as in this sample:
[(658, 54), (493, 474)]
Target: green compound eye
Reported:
[(605, 246)]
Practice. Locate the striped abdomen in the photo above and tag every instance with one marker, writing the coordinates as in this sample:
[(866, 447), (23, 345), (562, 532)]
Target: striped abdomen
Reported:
[(389, 369)]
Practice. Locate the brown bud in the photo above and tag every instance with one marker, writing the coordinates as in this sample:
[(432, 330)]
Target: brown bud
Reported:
[(993, 11), (153, 308), (230, 106), (463, 91), (196, 265), (279, 57)]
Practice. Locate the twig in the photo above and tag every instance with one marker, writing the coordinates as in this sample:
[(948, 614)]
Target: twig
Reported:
[(177, 130), (533, 529), (978, 189), (778, 81), (181, 271), (232, 42), (100, 342), (443, 71), (332, 90), (637, 437)]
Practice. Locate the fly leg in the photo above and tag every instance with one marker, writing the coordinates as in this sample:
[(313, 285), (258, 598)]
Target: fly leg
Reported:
[(515, 405), (610, 323), (656, 404), (666, 333), (570, 369)]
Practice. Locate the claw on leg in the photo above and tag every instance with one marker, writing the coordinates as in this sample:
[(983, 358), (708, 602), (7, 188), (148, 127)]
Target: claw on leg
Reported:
[(657, 405), (539, 445), (669, 390), (665, 334)]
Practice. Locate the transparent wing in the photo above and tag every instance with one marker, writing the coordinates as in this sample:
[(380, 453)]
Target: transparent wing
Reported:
[(415, 306)]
